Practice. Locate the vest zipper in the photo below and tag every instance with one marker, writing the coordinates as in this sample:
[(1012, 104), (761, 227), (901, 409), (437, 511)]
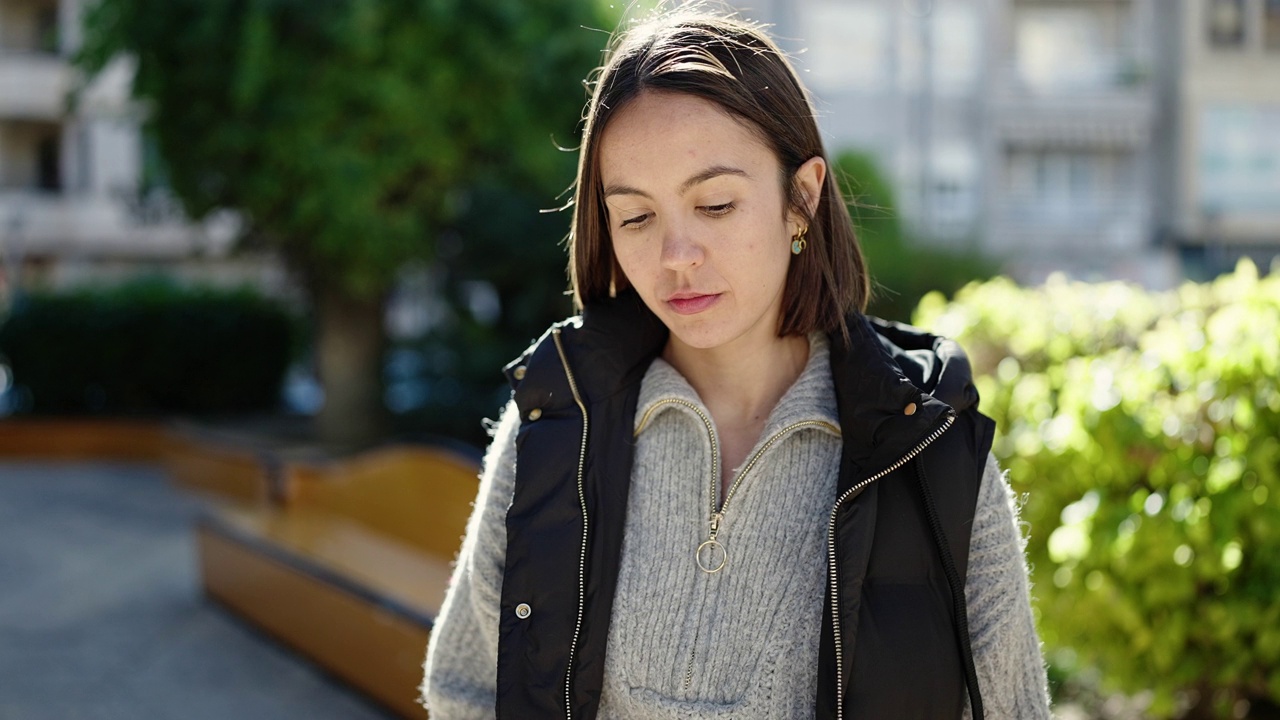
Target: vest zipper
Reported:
[(718, 509), (582, 502), (831, 552)]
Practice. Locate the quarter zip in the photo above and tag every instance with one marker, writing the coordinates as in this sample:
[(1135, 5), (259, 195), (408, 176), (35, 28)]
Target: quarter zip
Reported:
[(831, 551), (716, 513), (582, 502), (717, 510), (717, 516)]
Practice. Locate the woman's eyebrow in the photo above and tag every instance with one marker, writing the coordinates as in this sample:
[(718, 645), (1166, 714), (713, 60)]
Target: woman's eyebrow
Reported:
[(714, 171), (619, 189)]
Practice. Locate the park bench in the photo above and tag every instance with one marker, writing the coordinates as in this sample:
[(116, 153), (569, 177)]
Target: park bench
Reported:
[(346, 562)]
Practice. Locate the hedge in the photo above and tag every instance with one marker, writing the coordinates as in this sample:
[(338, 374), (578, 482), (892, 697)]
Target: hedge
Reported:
[(148, 346), (1142, 429)]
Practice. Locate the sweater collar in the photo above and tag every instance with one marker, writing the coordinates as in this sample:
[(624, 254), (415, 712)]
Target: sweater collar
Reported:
[(810, 398)]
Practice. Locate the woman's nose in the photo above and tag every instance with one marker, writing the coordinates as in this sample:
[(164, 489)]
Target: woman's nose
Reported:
[(679, 250)]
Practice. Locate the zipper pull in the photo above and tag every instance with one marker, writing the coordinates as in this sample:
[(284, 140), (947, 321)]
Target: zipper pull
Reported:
[(711, 555)]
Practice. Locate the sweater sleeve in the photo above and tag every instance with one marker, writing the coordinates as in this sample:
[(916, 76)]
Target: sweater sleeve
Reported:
[(460, 674), (1006, 649)]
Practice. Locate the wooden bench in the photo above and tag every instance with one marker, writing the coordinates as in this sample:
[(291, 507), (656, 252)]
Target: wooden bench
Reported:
[(71, 439), (348, 563)]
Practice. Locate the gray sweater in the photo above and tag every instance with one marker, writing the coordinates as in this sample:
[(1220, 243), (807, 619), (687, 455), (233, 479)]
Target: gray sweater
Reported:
[(741, 643)]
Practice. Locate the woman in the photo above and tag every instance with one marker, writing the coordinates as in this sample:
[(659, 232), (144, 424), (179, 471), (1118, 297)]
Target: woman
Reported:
[(723, 491)]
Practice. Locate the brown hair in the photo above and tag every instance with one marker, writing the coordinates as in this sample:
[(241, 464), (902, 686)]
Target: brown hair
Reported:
[(733, 64)]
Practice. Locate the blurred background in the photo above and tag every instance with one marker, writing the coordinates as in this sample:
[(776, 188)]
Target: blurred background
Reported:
[(246, 246)]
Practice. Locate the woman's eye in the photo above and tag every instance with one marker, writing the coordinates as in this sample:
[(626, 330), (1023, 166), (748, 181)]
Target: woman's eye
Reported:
[(717, 210), (635, 221)]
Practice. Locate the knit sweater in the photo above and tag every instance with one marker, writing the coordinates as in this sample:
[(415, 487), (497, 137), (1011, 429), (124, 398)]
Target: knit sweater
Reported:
[(741, 642)]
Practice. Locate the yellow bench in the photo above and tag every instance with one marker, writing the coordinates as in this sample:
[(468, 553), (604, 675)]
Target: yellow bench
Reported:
[(82, 439), (349, 565)]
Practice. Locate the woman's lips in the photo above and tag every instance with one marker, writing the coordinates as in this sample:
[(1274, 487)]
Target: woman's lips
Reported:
[(691, 304)]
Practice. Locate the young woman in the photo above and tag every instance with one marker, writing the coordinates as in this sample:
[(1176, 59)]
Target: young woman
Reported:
[(723, 491)]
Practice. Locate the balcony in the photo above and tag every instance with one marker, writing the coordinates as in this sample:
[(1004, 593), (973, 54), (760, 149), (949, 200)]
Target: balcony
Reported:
[(1098, 223), (33, 86), (1113, 105), (35, 223)]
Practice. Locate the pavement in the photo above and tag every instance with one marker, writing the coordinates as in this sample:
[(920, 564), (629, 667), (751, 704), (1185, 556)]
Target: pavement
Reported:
[(102, 616)]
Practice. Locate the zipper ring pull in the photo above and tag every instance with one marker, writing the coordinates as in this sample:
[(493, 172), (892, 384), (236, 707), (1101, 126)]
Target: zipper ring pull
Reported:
[(716, 557)]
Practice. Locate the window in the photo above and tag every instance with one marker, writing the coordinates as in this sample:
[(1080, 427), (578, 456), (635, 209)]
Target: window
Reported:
[(1226, 23), (1069, 47), (1271, 24), (48, 159), (955, 37), (1064, 186), (1238, 163), (848, 45), (954, 196), (47, 29)]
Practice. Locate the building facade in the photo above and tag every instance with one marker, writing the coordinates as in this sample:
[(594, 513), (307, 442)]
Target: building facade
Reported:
[(903, 82), (77, 199), (1112, 139), (1221, 186), (1073, 140), (1134, 139)]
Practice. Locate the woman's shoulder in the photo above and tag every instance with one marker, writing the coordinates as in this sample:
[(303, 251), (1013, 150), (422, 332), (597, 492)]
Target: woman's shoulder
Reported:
[(936, 364), (609, 345)]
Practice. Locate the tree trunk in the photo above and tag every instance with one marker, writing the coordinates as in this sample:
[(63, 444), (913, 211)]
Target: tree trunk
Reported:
[(349, 344)]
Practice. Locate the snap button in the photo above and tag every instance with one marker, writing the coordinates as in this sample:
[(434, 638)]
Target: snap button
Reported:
[(910, 409), (523, 611), (535, 413), (519, 372)]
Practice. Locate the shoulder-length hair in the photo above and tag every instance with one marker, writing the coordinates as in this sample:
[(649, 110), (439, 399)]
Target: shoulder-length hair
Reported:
[(733, 64)]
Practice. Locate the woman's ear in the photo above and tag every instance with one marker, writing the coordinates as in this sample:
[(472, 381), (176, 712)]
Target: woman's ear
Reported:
[(808, 179)]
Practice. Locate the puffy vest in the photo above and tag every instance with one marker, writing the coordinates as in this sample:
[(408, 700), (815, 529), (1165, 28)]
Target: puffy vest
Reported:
[(895, 638)]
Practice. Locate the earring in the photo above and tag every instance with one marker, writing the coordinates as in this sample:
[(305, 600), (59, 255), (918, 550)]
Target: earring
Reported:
[(797, 242)]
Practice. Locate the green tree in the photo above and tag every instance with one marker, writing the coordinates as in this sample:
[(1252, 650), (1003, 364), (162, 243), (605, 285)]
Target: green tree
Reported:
[(458, 360), (343, 133)]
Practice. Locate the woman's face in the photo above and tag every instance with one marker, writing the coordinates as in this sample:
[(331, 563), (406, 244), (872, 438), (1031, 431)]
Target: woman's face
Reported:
[(697, 216)]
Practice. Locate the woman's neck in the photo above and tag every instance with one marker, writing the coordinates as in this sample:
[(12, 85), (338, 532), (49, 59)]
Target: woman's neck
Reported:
[(741, 382), (740, 386)]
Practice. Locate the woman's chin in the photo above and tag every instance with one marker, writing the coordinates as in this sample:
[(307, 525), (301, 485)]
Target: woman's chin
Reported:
[(702, 337)]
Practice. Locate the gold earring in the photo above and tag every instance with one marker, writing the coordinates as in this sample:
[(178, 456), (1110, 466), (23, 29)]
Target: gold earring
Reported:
[(797, 242)]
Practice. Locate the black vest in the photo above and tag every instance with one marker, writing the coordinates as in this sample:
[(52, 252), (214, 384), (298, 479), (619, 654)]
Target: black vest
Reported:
[(894, 639)]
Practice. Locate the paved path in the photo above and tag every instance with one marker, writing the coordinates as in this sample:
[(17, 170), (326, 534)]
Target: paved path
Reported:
[(102, 617)]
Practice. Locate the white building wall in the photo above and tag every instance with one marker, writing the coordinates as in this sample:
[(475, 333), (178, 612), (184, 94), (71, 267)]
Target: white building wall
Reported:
[(75, 201), (115, 157), (1073, 139), (875, 92), (1034, 135), (1229, 139)]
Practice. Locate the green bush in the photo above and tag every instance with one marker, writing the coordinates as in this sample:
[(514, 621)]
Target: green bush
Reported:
[(1143, 429), (903, 269), (146, 347)]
